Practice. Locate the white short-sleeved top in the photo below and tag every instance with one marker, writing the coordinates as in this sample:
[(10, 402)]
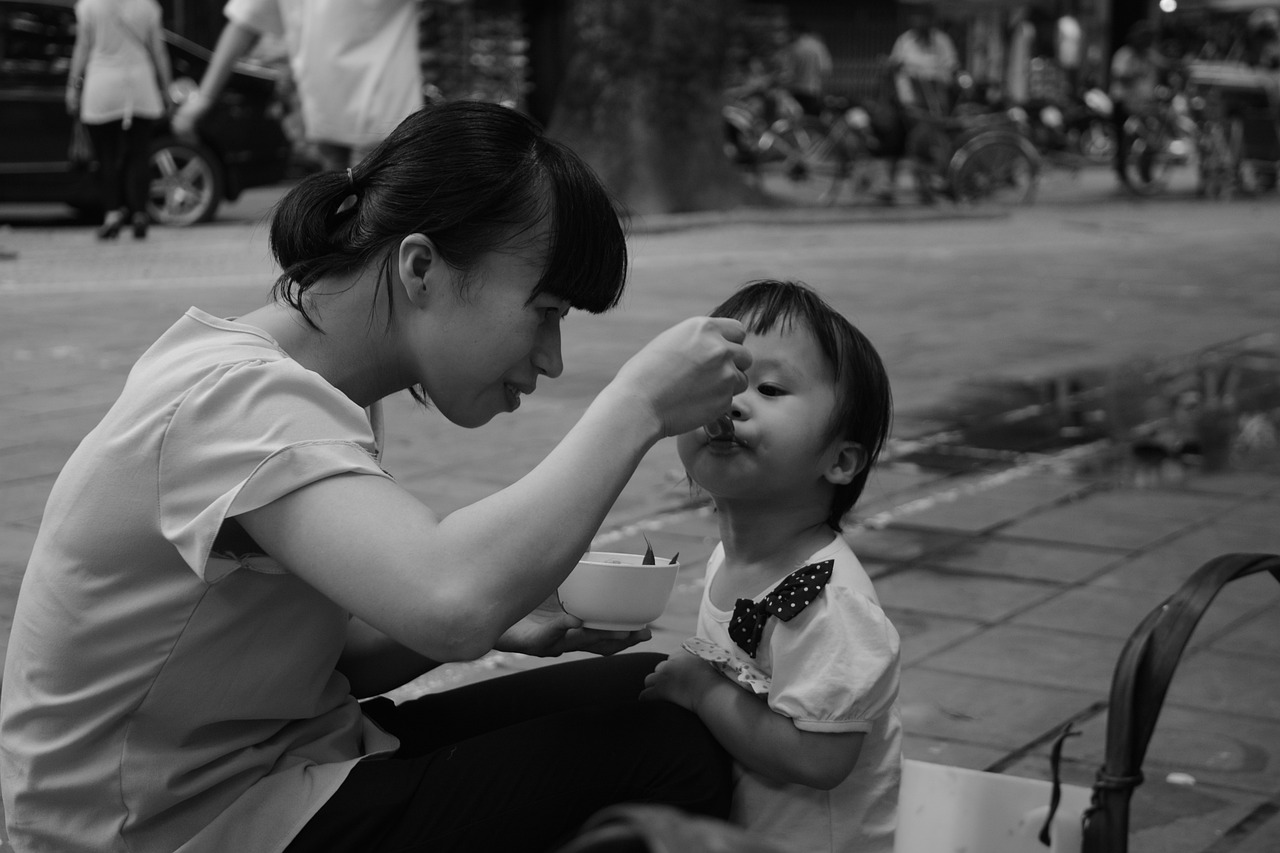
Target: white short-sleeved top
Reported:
[(165, 690), (120, 79), (834, 667), (355, 62)]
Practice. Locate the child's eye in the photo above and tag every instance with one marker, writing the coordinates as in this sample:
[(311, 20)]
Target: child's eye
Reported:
[(770, 390)]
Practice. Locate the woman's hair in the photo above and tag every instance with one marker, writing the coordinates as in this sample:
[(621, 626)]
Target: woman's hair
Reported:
[(864, 405), (472, 176)]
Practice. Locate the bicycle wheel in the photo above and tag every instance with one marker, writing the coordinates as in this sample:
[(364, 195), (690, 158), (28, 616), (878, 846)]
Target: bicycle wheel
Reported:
[(809, 150), (1001, 168)]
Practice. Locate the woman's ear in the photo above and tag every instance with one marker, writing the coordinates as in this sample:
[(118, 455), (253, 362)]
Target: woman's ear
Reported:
[(850, 459), (420, 268)]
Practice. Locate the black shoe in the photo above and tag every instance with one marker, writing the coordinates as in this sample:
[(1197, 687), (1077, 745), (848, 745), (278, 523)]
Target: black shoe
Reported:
[(140, 223), (110, 228)]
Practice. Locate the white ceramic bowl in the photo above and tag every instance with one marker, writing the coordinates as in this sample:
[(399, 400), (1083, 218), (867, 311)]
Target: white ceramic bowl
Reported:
[(615, 592)]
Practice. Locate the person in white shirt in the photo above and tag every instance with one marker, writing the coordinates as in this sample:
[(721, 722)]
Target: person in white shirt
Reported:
[(355, 64), (925, 59)]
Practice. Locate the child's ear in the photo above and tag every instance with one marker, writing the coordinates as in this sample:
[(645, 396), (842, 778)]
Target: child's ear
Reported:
[(421, 269), (850, 459)]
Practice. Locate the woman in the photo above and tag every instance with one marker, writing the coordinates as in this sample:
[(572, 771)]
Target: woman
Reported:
[(224, 568), (117, 86)]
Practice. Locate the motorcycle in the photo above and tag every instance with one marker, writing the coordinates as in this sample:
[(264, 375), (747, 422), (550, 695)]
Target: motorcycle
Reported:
[(1076, 133)]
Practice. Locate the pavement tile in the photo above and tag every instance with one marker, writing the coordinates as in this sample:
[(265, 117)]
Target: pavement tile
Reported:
[(984, 711), (1093, 523), (1236, 683), (1243, 483), (1031, 561), (1262, 513), (949, 592), (1257, 636), (923, 634), (1022, 654), (972, 514), (897, 544), (1168, 565), (1113, 612)]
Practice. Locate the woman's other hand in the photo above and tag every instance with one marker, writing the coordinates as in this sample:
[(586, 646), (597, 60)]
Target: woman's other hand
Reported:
[(549, 632), (73, 100), (689, 374)]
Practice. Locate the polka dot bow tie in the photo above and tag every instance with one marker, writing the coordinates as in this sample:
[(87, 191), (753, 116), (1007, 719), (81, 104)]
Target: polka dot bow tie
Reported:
[(793, 595)]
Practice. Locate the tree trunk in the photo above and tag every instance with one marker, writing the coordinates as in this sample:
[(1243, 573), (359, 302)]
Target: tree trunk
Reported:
[(641, 102)]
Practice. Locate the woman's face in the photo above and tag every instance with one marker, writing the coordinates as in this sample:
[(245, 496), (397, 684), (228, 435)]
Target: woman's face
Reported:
[(781, 447), (480, 350)]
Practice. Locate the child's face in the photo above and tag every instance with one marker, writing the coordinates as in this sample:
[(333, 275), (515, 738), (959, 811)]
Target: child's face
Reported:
[(781, 447)]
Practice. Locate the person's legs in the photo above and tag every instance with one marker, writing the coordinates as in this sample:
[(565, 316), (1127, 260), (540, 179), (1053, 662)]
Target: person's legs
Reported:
[(1119, 118), (137, 171), (518, 763), (108, 146)]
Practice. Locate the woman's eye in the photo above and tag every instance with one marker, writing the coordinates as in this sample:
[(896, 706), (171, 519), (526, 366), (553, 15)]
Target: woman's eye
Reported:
[(553, 315)]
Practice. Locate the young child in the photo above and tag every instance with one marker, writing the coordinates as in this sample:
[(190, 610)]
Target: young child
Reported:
[(795, 666)]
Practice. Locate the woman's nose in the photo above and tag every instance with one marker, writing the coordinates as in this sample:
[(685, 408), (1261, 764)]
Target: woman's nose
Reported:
[(547, 358)]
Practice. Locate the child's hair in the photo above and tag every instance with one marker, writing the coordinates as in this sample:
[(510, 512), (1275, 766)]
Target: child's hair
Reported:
[(864, 406), (473, 177)]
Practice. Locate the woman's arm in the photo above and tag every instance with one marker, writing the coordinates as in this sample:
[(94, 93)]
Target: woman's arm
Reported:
[(450, 588), (79, 59), (759, 739), (374, 663)]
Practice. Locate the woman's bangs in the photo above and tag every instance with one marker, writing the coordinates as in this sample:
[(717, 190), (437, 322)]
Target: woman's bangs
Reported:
[(587, 264)]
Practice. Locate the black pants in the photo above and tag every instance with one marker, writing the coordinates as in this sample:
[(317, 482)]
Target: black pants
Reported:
[(1120, 118), (122, 162), (517, 763)]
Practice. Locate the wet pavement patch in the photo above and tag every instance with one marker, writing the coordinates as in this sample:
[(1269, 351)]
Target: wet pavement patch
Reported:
[(1209, 410)]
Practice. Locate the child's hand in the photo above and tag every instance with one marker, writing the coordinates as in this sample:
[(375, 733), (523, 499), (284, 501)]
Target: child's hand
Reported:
[(681, 679), (689, 374)]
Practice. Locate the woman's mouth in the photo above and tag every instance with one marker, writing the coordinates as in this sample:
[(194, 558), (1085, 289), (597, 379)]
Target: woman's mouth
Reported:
[(513, 396)]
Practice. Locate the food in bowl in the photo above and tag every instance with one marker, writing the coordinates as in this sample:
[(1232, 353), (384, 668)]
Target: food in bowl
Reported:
[(618, 592)]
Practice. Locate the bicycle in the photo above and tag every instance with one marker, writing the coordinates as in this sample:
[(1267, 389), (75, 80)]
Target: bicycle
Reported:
[(1161, 137)]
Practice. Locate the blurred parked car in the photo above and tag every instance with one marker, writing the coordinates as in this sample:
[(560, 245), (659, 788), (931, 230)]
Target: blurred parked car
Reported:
[(242, 143)]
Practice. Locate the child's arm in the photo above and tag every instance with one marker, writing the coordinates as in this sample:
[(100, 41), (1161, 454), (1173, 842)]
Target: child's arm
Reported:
[(761, 740)]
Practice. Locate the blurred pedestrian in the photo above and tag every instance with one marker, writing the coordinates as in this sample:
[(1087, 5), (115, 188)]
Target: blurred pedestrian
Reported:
[(355, 65), (1135, 71), (806, 65), (925, 61), (118, 88)]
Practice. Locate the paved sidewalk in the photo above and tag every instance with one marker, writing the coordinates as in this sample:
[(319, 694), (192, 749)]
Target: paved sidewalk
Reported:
[(1013, 588)]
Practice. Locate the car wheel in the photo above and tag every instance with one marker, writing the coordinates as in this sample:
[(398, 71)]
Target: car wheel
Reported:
[(186, 183)]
